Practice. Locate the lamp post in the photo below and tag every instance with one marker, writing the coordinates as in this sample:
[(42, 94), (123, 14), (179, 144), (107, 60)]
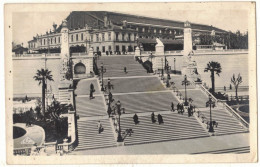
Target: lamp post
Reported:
[(185, 82), (119, 137), (210, 103), (168, 75), (162, 69), (103, 70), (174, 66), (109, 85), (109, 99)]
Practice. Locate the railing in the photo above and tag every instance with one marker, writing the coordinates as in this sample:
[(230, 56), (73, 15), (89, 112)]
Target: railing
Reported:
[(224, 50), (35, 55), (79, 54), (228, 108), (173, 51), (236, 115), (147, 52), (68, 147)]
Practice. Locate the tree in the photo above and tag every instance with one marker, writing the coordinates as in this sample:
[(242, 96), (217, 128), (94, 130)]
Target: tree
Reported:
[(53, 113), (213, 67), (42, 76), (236, 82)]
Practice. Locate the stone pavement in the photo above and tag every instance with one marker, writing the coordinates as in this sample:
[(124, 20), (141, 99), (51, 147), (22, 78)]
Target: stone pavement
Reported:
[(188, 146)]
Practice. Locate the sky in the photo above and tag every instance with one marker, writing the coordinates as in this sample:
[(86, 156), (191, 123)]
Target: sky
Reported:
[(28, 24)]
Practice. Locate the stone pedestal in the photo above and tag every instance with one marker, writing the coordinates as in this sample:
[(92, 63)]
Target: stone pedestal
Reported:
[(137, 52), (159, 60)]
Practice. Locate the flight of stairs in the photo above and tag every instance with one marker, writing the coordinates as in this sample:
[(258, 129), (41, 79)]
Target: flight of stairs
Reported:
[(175, 127), (115, 66), (147, 102), (227, 124), (64, 96), (88, 108), (89, 138), (143, 84)]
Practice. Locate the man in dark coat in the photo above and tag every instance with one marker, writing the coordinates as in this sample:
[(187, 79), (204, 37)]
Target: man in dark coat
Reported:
[(153, 118), (135, 117), (160, 119), (125, 70), (92, 90), (172, 107)]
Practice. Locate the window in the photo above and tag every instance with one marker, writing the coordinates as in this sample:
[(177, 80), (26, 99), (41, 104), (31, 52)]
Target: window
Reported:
[(117, 36), (97, 37), (160, 31), (123, 37), (91, 38), (81, 36), (51, 40), (103, 48), (71, 38), (59, 39), (154, 30), (129, 37), (103, 36), (77, 37), (55, 40), (109, 36), (137, 29), (97, 49), (117, 48), (109, 48), (143, 29), (43, 41), (134, 36), (123, 48), (170, 32)]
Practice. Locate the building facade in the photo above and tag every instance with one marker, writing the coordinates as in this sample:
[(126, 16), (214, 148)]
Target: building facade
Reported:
[(117, 33)]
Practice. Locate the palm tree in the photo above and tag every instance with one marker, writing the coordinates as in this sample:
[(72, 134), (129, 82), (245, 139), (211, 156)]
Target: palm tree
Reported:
[(213, 67), (236, 82), (42, 76)]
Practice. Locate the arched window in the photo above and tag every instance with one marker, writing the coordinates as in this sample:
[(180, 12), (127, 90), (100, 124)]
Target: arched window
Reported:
[(80, 68)]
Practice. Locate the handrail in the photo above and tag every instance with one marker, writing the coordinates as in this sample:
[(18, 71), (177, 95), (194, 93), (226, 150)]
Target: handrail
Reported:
[(227, 107), (236, 115)]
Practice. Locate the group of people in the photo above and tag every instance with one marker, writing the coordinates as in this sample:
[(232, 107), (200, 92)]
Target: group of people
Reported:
[(180, 109), (159, 117)]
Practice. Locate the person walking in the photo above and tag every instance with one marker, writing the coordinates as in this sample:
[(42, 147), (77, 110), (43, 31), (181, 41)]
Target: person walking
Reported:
[(160, 119), (100, 128), (125, 70), (172, 107), (92, 90), (135, 117), (153, 118)]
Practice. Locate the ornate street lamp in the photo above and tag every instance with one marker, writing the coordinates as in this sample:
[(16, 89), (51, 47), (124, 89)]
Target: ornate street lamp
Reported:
[(109, 99), (118, 108), (185, 82), (109, 85), (162, 69), (168, 68), (210, 103), (103, 70)]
